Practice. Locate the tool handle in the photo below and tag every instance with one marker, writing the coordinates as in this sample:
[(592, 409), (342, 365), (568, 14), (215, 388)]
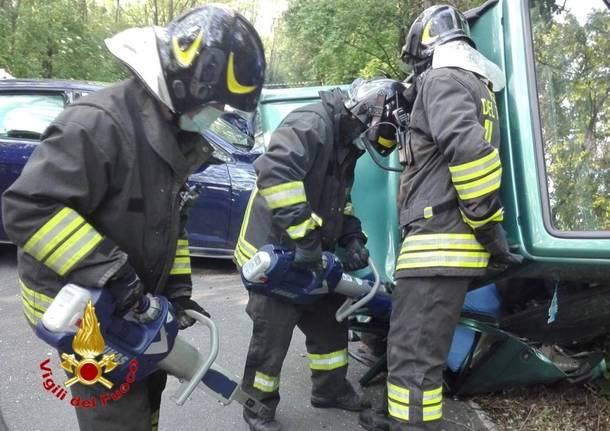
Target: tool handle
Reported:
[(185, 390), (350, 305)]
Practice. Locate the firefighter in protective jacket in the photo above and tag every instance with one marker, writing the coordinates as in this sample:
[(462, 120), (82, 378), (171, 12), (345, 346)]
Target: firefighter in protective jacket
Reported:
[(302, 201), (450, 211), (101, 202)]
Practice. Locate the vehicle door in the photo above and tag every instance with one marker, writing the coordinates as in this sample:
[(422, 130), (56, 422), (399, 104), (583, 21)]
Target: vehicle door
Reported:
[(208, 222)]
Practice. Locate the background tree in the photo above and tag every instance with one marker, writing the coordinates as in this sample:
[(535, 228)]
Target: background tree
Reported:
[(574, 93)]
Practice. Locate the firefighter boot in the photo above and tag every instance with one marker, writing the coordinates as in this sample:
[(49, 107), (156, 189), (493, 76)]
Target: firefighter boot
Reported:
[(353, 402), (374, 420), (261, 423)]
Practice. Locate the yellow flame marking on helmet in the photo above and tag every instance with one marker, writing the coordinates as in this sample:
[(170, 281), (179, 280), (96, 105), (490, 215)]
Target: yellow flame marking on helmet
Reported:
[(425, 37), (234, 86), (388, 143), (186, 57)]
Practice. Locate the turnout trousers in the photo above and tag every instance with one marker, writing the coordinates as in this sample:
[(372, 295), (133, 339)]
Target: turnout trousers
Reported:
[(326, 341), (425, 312), (135, 410)]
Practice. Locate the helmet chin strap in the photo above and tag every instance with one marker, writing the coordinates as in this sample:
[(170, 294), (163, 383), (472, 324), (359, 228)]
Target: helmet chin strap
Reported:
[(371, 151)]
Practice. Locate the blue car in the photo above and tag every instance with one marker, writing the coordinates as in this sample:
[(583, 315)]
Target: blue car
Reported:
[(27, 107)]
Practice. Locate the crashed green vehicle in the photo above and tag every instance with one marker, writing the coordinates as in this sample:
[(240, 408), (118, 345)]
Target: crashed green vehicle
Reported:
[(546, 320)]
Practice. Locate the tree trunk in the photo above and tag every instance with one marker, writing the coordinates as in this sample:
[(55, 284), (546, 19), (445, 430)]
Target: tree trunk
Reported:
[(117, 14), (47, 62)]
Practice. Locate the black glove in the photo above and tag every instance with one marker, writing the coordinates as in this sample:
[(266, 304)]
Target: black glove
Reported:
[(127, 289), (180, 305), (356, 255), (493, 238), (309, 257)]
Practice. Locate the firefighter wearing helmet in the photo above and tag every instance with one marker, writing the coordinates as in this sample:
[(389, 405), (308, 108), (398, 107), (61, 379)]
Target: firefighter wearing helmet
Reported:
[(302, 202), (100, 203), (450, 213)]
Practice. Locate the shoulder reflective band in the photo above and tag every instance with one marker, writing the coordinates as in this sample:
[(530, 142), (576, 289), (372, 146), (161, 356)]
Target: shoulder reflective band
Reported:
[(265, 383), (329, 361), (477, 178), (300, 230), (283, 195)]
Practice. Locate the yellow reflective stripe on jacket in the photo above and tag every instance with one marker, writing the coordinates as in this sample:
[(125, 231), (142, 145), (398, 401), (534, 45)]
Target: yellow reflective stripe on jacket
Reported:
[(476, 168), (302, 229), (182, 265), (433, 396), (283, 195), (34, 303), (243, 248), (480, 187), (35, 297), (329, 361), (454, 259), (53, 232), (398, 410), (466, 241), (32, 315), (398, 393), (265, 383), (240, 256), (498, 216), (73, 249), (349, 209), (432, 413)]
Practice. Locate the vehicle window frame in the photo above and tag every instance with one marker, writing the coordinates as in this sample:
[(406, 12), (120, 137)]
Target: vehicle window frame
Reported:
[(543, 185), (42, 92)]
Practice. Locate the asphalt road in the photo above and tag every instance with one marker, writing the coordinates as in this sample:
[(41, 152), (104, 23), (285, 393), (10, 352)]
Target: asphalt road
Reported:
[(26, 406)]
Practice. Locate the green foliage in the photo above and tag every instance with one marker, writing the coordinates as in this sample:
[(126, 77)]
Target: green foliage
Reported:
[(334, 42), (574, 93)]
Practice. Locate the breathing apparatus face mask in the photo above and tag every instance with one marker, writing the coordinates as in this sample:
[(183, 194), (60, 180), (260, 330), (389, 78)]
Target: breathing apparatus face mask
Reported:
[(363, 142), (201, 120)]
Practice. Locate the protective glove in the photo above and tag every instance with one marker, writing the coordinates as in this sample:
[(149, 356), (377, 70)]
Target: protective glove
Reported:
[(493, 238), (180, 305), (356, 255), (309, 257), (127, 289)]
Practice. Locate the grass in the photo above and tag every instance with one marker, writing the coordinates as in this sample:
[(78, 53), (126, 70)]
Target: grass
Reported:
[(548, 408)]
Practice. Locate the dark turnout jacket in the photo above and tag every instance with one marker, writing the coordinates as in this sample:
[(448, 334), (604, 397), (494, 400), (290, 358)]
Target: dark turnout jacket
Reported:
[(103, 188), (451, 183), (303, 182)]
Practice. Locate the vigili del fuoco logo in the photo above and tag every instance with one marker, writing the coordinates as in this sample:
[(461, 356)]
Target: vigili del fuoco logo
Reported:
[(89, 344)]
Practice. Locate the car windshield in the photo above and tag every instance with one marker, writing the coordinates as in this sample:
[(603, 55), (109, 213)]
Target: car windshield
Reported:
[(231, 134), (28, 115)]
